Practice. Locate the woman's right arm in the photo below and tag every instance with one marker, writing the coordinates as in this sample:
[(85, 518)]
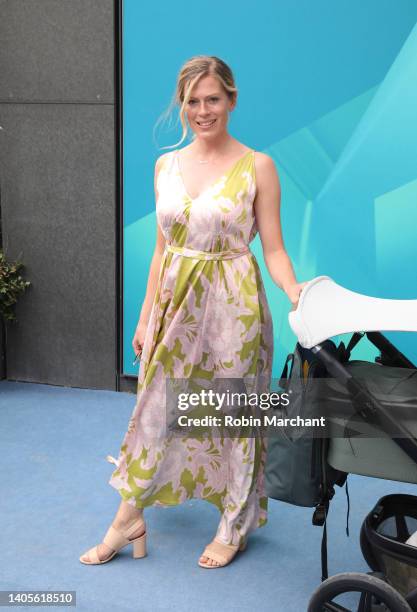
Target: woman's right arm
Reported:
[(155, 263)]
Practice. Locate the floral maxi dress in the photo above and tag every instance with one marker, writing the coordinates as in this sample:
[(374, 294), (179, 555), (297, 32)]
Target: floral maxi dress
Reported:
[(209, 319)]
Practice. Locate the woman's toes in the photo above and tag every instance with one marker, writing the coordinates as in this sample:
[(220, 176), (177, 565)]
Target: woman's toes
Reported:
[(212, 562), (208, 561)]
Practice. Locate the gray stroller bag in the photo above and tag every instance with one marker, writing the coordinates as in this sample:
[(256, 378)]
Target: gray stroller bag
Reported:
[(296, 471)]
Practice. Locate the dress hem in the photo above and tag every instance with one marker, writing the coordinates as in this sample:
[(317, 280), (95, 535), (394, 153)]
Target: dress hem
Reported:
[(171, 505)]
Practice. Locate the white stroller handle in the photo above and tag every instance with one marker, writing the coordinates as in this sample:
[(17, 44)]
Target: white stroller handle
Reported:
[(326, 309)]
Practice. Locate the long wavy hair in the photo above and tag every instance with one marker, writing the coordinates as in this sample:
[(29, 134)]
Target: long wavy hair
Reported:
[(190, 73)]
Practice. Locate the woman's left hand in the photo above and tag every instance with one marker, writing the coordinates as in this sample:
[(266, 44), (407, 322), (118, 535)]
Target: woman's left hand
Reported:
[(293, 292)]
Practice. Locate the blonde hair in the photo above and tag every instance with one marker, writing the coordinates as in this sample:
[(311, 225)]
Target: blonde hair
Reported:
[(190, 73)]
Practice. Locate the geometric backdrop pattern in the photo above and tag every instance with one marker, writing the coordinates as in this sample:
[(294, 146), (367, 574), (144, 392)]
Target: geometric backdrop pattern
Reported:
[(331, 96)]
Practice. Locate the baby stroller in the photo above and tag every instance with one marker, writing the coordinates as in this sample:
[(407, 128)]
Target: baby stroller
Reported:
[(378, 399)]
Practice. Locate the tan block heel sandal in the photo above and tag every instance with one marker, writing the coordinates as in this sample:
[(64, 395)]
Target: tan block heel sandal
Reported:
[(222, 553), (117, 539)]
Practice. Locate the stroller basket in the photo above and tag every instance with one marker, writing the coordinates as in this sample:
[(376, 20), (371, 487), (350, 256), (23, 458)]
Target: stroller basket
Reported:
[(385, 530)]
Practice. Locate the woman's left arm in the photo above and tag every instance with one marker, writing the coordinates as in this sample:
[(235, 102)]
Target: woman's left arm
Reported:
[(267, 212)]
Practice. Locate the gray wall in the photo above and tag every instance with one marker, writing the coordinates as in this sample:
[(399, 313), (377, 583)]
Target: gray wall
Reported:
[(57, 181)]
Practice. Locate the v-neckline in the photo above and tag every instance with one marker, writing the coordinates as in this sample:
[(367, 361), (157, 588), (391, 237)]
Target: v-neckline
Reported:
[(224, 175)]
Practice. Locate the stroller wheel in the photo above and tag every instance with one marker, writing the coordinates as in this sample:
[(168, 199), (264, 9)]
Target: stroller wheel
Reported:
[(375, 594), (367, 551)]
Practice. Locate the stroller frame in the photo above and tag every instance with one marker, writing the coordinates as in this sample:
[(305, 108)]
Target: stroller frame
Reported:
[(311, 331)]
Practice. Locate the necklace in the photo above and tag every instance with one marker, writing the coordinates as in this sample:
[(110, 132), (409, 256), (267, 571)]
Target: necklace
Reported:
[(205, 161)]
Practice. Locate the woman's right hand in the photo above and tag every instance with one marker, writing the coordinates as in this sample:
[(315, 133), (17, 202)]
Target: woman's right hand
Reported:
[(139, 338)]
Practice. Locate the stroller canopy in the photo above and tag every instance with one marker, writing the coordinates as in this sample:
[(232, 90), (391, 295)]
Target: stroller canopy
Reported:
[(326, 309)]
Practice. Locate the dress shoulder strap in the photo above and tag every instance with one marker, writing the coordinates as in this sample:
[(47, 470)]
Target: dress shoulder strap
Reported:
[(165, 168)]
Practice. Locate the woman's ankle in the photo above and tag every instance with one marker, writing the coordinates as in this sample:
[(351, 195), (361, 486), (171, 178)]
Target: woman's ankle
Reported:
[(127, 514)]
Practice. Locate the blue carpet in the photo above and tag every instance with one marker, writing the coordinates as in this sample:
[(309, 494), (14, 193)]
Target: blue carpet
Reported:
[(56, 503)]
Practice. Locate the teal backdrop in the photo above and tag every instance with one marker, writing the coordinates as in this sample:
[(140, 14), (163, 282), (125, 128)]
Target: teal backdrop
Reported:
[(328, 90)]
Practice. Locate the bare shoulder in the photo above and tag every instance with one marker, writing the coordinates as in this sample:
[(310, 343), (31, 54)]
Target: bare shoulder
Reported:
[(265, 170), (264, 162)]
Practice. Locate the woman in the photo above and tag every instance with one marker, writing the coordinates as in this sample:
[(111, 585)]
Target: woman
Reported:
[(204, 317)]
